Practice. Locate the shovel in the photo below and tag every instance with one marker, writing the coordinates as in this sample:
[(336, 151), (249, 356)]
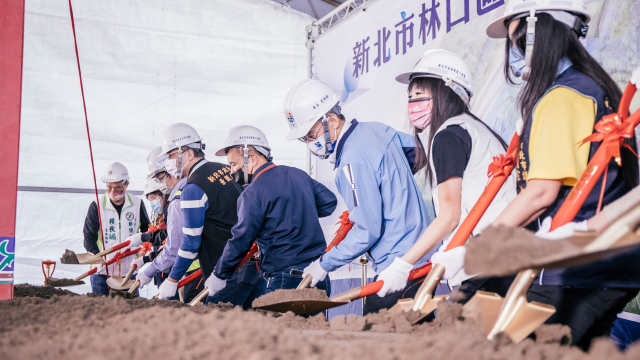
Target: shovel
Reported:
[(71, 257), (48, 268), (119, 283), (113, 260), (499, 171), (341, 233), (515, 316), (312, 306), (202, 294)]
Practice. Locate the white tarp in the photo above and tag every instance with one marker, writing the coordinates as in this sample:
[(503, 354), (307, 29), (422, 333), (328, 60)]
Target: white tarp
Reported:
[(146, 64), (357, 44)]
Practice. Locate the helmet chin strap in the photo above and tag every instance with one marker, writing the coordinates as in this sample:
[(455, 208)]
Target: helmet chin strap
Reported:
[(179, 164), (530, 42), (245, 166), (327, 138)]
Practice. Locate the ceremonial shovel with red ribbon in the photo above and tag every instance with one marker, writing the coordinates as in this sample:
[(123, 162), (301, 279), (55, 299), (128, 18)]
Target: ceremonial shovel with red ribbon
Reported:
[(499, 171), (514, 315)]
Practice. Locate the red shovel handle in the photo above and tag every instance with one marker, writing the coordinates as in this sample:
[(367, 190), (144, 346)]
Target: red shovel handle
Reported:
[(121, 245), (187, 279), (609, 148)]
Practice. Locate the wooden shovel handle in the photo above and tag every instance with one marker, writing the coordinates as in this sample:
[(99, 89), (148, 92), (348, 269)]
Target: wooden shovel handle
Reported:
[(129, 273), (134, 287), (306, 281), (199, 297)]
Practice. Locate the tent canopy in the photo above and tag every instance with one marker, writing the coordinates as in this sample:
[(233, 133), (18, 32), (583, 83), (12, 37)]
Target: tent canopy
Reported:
[(314, 8)]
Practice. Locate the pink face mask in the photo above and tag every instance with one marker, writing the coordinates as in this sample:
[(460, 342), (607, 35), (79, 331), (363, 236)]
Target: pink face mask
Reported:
[(420, 112)]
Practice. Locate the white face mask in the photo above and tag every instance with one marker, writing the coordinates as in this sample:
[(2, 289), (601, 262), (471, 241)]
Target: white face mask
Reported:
[(171, 165), (156, 206), (517, 61), (321, 147)]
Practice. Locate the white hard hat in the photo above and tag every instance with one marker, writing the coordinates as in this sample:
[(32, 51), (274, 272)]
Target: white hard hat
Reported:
[(178, 135), (305, 104), (445, 65), (115, 172), (154, 185), (246, 135), (154, 162), (559, 9)]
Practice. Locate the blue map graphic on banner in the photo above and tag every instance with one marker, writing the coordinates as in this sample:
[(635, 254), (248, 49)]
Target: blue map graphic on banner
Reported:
[(7, 253)]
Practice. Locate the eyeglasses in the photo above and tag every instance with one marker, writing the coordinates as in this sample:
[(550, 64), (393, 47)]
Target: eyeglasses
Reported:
[(160, 176)]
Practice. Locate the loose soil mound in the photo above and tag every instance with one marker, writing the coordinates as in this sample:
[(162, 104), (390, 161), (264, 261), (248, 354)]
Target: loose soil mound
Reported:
[(501, 250), (80, 327)]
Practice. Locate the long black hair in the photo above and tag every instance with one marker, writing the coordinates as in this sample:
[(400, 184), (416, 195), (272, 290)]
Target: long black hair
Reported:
[(554, 41), (446, 104)]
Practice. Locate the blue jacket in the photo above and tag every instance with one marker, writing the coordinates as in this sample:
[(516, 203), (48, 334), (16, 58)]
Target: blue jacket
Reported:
[(279, 210), (375, 180)]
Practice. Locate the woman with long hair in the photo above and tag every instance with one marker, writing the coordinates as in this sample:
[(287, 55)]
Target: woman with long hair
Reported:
[(565, 92), (458, 150)]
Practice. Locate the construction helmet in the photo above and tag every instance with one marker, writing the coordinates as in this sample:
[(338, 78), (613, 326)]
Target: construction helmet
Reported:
[(178, 135), (115, 172), (306, 103), (573, 13), (445, 65), (154, 162), (154, 185), (243, 136)]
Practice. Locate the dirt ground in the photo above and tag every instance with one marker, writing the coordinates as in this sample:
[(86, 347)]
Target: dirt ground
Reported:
[(51, 323)]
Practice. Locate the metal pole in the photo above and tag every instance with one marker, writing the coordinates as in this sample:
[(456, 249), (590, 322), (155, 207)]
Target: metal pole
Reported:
[(363, 262)]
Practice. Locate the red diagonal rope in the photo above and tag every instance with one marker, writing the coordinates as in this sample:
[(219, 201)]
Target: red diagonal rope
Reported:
[(86, 121)]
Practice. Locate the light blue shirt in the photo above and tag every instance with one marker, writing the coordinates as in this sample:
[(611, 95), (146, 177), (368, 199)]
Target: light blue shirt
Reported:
[(374, 178)]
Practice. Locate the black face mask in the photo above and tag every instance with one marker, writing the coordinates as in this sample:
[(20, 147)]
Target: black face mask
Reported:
[(238, 177)]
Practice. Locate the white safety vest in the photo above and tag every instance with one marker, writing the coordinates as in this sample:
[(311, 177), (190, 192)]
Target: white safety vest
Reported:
[(117, 228), (484, 147)]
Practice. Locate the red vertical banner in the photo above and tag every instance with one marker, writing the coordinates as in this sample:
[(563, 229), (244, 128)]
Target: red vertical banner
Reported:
[(11, 43)]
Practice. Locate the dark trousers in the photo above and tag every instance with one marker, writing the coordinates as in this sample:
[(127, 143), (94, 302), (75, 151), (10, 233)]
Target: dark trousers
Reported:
[(240, 286), (99, 285), (468, 288), (589, 313), (193, 288)]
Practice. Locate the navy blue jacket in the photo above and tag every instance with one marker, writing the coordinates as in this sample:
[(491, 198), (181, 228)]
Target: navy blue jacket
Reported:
[(279, 210)]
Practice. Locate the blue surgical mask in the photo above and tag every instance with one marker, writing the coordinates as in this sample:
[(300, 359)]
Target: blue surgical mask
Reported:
[(517, 61), (156, 206)]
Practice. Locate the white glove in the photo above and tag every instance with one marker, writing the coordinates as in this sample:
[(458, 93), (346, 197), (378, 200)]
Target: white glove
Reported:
[(395, 276), (316, 271), (562, 232), (136, 240), (635, 77), (214, 284), (142, 275), (138, 262), (167, 289), (452, 260)]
